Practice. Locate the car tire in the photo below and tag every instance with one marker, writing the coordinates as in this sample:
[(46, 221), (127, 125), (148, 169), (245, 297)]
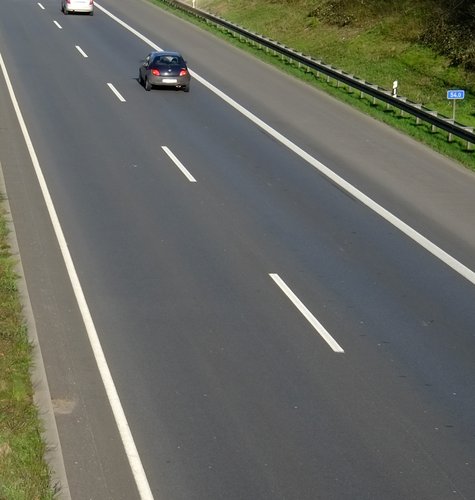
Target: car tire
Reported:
[(186, 88), (147, 85), (65, 11), (91, 13)]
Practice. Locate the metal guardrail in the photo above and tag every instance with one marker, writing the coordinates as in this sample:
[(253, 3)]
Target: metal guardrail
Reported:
[(420, 112)]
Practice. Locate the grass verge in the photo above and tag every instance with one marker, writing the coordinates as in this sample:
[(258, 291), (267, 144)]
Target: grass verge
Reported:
[(378, 51), (24, 474)]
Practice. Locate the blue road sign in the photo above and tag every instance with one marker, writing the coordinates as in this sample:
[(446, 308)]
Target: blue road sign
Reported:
[(455, 94)]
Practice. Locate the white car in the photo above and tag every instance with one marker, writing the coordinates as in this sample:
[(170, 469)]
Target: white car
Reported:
[(83, 6)]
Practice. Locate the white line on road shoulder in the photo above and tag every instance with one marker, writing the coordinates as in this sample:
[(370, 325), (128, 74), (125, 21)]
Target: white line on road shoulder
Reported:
[(111, 391), (178, 163), (58, 25), (41, 6), (339, 181), (81, 51), (307, 314), (116, 92)]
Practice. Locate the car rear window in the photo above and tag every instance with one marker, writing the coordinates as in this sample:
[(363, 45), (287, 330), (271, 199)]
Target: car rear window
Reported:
[(167, 60)]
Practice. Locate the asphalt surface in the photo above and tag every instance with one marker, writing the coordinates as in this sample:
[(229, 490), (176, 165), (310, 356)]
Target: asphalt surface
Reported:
[(228, 390)]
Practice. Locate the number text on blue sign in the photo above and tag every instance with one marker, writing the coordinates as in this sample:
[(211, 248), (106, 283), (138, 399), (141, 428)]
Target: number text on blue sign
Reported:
[(455, 94)]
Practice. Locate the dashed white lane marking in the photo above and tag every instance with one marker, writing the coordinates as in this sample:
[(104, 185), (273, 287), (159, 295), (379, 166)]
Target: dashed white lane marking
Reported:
[(178, 163), (339, 181), (81, 51), (41, 6), (111, 391), (58, 25), (307, 314), (116, 92)]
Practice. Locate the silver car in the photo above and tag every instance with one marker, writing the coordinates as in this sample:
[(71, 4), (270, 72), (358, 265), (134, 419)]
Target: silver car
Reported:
[(164, 68), (83, 6)]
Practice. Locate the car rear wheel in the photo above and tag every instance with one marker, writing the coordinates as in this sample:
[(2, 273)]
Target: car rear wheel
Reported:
[(148, 85), (186, 88)]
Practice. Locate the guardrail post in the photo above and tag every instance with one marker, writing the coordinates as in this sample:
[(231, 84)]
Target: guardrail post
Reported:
[(374, 87), (350, 88), (338, 81), (418, 120), (433, 113), (403, 99), (469, 144), (450, 138)]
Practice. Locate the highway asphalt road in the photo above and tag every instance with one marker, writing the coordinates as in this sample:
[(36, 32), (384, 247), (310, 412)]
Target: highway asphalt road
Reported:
[(268, 334)]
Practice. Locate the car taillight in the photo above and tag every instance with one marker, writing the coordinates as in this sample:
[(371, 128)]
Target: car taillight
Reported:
[(91, 2), (155, 72), (183, 72)]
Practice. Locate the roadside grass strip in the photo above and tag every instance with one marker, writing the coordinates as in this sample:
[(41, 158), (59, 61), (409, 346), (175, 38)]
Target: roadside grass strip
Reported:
[(24, 473)]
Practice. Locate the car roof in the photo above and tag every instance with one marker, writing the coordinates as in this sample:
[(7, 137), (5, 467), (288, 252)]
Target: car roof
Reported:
[(166, 53)]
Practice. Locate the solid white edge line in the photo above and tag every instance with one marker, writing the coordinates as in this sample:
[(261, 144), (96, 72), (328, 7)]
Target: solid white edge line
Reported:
[(116, 92), (58, 25), (307, 314), (178, 163), (119, 415), (349, 188), (81, 51), (127, 27), (41, 6), (346, 186)]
